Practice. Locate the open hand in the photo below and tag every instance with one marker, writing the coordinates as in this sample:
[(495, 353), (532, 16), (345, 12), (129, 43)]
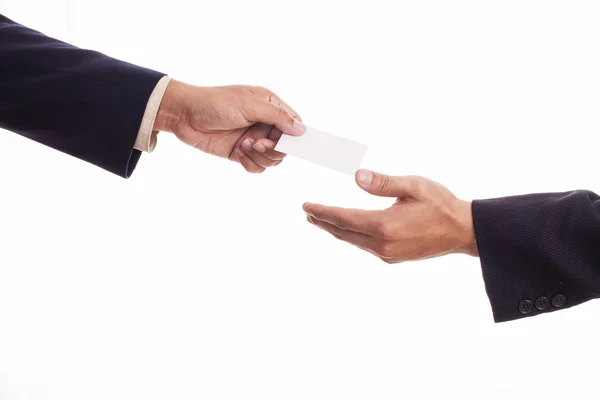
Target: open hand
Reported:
[(425, 221)]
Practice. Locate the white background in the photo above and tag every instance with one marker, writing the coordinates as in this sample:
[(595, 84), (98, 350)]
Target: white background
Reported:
[(195, 280)]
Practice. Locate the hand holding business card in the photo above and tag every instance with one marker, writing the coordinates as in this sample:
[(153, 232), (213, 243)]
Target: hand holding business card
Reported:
[(325, 149)]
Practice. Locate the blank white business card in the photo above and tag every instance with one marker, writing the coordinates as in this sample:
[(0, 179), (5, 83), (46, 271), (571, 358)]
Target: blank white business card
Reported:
[(325, 149)]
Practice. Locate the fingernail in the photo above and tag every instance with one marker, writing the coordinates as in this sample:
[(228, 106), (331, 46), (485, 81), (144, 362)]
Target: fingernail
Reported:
[(247, 144), (365, 177), (260, 147), (240, 153), (299, 127)]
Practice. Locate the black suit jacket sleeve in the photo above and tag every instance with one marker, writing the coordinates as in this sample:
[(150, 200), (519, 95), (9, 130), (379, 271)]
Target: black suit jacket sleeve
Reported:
[(539, 253), (77, 101)]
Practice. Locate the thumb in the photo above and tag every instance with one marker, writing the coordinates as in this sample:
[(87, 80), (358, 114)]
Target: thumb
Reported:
[(271, 114), (388, 186)]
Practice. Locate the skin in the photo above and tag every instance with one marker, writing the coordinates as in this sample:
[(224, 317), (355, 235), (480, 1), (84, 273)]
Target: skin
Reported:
[(244, 123), (240, 123), (425, 221)]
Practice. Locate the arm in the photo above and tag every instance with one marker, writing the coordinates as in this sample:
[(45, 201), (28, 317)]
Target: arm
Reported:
[(539, 253), (80, 102), (102, 110)]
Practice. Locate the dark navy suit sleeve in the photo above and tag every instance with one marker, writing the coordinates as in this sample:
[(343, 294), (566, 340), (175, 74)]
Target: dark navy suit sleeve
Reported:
[(77, 101), (539, 253)]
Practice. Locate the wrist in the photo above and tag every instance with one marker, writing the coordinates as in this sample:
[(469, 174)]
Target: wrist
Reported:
[(169, 111), (466, 232)]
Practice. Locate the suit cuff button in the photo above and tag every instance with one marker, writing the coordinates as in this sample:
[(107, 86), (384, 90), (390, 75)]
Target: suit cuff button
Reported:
[(559, 300), (542, 303), (525, 307)]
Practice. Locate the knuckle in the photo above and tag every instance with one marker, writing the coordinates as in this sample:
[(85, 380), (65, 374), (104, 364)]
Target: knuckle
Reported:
[(385, 249), (336, 233), (272, 163), (254, 168), (411, 184), (383, 231), (379, 249), (315, 214), (338, 220), (385, 184), (273, 98), (420, 185), (284, 116), (259, 90), (424, 186), (386, 260), (244, 103), (363, 227)]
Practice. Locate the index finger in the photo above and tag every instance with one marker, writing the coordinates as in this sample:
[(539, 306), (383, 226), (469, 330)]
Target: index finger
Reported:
[(272, 98), (362, 221), (277, 101)]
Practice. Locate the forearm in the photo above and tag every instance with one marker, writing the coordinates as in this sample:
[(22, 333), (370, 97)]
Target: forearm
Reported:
[(537, 248), (77, 101)]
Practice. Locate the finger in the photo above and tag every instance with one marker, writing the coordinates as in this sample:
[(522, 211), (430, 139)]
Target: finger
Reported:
[(267, 148), (277, 101), (271, 97), (248, 164), (256, 156), (361, 240), (390, 186), (345, 218), (275, 134), (259, 110)]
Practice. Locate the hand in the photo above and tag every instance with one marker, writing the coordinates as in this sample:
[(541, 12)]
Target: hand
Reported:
[(426, 220), (241, 123)]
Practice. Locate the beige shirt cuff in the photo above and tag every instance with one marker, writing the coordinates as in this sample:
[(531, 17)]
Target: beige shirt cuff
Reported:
[(146, 138)]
